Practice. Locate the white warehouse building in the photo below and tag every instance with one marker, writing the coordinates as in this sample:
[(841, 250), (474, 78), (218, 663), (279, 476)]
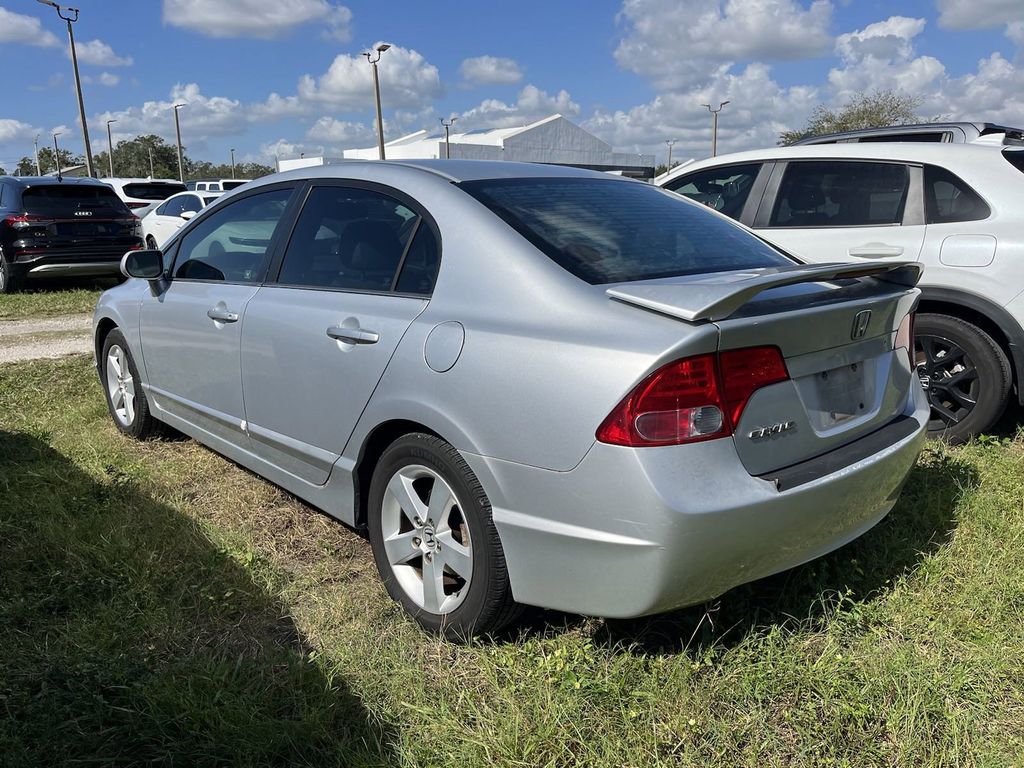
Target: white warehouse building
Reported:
[(553, 140)]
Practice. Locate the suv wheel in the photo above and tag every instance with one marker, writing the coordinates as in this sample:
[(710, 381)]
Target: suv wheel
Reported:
[(434, 542), (965, 373), (10, 281)]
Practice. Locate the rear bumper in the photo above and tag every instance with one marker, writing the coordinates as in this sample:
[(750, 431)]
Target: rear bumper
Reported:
[(84, 261), (632, 532)]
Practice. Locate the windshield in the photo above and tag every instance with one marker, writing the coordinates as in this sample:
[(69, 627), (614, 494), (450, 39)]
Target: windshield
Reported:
[(144, 191), (59, 200), (608, 231)]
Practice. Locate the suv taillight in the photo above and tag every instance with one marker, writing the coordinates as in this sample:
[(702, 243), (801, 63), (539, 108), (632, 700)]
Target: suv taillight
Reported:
[(698, 398), (136, 205), (21, 221)]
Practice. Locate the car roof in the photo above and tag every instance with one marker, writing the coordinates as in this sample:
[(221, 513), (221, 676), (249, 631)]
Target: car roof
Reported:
[(910, 152), (972, 131), (43, 181), (451, 170), (136, 180)]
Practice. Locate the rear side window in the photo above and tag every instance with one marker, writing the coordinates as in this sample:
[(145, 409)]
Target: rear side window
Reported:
[(144, 191), (840, 194), (948, 198), (608, 231), (1015, 157), (64, 200), (724, 189), (232, 244), (357, 239)]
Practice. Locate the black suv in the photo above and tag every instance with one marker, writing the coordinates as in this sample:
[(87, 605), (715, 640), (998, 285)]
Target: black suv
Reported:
[(53, 227)]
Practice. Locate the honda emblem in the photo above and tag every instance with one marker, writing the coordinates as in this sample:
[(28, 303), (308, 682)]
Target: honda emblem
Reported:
[(860, 324)]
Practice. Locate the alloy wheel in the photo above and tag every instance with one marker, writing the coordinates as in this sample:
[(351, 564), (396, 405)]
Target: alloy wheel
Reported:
[(120, 386), (949, 377), (426, 539)]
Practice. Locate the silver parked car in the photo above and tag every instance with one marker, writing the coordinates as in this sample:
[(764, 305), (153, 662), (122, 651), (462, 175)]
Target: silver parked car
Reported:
[(530, 384)]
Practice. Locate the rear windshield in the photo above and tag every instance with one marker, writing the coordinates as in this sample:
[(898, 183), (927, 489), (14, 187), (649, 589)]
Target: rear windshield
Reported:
[(608, 231), (226, 185), (58, 199), (143, 191)]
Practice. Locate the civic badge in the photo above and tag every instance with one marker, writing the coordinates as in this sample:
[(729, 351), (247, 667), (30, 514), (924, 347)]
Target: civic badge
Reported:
[(861, 321)]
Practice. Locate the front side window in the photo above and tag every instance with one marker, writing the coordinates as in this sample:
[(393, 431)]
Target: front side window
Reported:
[(232, 244), (355, 239), (724, 189), (172, 207), (824, 193), (191, 203), (948, 198), (609, 231)]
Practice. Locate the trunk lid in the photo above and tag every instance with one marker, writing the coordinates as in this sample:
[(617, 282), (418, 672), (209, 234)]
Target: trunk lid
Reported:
[(836, 327)]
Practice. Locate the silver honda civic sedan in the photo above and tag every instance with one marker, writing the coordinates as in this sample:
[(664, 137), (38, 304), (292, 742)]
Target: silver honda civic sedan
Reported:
[(530, 385)]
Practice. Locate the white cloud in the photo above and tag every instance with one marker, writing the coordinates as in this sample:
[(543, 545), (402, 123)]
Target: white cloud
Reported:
[(882, 56), (342, 133), (979, 14), (256, 18), (407, 81), (284, 149), (100, 54), (490, 70), (108, 79), (16, 131), (532, 104), (672, 42), (27, 30)]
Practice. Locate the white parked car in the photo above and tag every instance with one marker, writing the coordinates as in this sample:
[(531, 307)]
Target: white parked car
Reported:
[(956, 208), (140, 194), (160, 224), (215, 185)]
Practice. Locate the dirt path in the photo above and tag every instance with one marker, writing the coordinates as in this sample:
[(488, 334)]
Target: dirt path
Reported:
[(46, 337)]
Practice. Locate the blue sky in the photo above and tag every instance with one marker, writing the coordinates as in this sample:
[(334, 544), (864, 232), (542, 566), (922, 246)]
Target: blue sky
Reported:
[(286, 76)]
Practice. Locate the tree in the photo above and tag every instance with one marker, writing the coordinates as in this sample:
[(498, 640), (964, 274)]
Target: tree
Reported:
[(27, 165), (877, 109), (131, 158), (204, 169)]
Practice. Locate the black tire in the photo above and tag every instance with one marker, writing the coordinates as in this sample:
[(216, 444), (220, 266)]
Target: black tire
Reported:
[(151, 242), (141, 425), (966, 375), (488, 605), (10, 279)]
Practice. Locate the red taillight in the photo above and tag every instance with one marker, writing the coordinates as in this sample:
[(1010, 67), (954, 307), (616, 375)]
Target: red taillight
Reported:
[(137, 205), (21, 221), (686, 401), (905, 338)]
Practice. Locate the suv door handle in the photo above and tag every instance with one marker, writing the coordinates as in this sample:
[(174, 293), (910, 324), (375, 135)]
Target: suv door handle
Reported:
[(222, 315), (876, 251), (353, 335)]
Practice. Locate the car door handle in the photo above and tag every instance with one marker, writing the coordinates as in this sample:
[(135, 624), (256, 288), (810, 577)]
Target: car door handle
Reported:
[(222, 315), (876, 251), (353, 335)]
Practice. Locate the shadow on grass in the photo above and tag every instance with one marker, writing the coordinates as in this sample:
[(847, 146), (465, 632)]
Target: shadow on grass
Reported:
[(128, 638), (921, 522)]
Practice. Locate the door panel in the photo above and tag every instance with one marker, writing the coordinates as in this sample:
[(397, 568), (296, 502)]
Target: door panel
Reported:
[(192, 360), (305, 389)]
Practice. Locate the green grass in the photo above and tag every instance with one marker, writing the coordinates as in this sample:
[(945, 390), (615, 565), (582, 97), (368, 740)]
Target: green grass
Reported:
[(160, 605), (52, 298)]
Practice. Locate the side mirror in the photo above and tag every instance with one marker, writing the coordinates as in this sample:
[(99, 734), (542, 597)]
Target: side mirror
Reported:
[(186, 215), (147, 265)]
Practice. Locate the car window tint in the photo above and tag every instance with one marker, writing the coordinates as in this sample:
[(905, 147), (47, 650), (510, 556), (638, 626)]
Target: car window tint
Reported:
[(724, 189), (421, 262), (948, 198), (231, 244), (347, 238), (840, 194), (173, 207), (608, 231), (191, 203)]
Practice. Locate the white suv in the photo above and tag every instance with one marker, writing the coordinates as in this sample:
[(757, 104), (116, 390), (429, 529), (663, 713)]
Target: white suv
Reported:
[(144, 193), (956, 208)]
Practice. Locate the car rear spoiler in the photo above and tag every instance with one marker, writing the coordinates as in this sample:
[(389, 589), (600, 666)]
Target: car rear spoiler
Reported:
[(715, 297)]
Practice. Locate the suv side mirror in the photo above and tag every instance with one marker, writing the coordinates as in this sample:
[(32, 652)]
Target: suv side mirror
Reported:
[(147, 265), (186, 215)]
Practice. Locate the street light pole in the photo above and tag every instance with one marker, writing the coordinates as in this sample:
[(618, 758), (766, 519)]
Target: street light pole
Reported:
[(447, 146), (71, 19), (376, 89), (39, 170), (714, 126), (110, 148), (56, 155), (670, 142), (177, 132), (232, 162), (150, 162)]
